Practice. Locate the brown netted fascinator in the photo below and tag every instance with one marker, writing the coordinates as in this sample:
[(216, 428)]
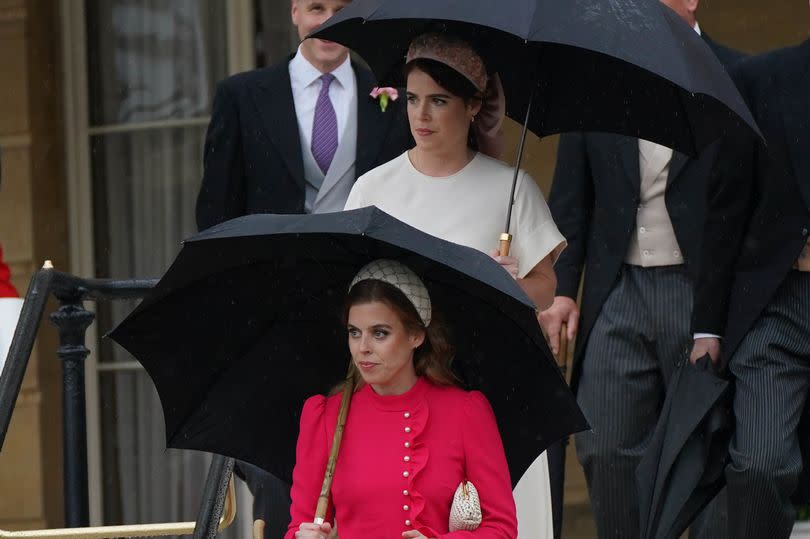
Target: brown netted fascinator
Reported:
[(453, 52)]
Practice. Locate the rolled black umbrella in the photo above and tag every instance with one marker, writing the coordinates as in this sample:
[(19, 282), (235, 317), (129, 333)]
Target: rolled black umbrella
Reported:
[(246, 324), (683, 467)]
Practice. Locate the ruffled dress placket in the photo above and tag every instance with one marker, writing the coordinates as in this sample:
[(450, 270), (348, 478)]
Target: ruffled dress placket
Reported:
[(412, 414)]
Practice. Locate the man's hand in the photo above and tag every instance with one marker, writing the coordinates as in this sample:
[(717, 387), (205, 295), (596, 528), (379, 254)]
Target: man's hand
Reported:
[(703, 346), (564, 310)]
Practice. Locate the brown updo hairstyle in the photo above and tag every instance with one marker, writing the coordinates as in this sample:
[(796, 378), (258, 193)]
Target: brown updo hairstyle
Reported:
[(433, 357)]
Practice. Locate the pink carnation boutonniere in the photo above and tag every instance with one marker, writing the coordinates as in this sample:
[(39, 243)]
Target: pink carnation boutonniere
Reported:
[(384, 94)]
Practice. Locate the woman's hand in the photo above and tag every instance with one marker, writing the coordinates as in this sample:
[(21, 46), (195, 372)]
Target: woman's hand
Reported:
[(310, 530), (509, 263), (539, 284), (412, 534)]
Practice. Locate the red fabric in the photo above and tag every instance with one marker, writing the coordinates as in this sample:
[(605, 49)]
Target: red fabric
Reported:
[(453, 435), (7, 290)]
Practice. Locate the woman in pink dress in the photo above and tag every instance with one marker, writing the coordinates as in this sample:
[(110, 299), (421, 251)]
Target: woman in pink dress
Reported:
[(411, 437)]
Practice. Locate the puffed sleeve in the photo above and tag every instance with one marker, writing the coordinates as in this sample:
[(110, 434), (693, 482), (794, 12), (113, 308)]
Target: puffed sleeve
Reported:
[(486, 468), (311, 455), (535, 232)]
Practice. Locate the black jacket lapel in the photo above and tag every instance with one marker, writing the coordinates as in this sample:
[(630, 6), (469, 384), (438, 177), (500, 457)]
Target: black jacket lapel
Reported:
[(796, 118), (676, 165), (628, 152), (274, 101), (372, 123)]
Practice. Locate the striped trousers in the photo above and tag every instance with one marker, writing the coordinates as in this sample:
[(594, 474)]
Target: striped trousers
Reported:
[(640, 336), (771, 368)]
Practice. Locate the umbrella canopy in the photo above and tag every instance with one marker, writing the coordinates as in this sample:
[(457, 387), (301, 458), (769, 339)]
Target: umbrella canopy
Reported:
[(683, 468), (246, 324), (631, 67)]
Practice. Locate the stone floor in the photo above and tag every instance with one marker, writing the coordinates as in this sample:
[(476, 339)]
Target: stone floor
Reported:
[(578, 522)]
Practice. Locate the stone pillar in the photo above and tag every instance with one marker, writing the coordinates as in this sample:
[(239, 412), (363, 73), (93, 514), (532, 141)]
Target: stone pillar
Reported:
[(32, 228)]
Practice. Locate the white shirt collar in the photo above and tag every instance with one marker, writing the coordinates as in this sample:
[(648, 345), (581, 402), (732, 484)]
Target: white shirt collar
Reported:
[(696, 28), (303, 73)]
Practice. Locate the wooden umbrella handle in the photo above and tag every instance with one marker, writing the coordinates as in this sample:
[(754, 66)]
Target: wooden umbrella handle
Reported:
[(564, 343), (562, 356), (258, 529), (505, 244), (343, 411)]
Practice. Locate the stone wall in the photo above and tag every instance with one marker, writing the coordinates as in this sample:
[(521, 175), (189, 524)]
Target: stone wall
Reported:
[(32, 228)]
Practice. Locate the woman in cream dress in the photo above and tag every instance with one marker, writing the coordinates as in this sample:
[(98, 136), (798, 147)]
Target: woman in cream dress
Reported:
[(446, 188)]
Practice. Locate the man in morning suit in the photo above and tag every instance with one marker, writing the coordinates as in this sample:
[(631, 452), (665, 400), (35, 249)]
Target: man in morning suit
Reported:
[(293, 138), (755, 291), (632, 213)]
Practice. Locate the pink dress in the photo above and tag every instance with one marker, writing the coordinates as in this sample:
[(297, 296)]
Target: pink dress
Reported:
[(400, 462)]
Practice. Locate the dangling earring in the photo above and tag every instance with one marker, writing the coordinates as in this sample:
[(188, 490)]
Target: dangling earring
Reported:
[(472, 120)]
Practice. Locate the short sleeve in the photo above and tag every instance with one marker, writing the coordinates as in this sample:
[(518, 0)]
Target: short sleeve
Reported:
[(535, 233), (311, 455), (486, 468)]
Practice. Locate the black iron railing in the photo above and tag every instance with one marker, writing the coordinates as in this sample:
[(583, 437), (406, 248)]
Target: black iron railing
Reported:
[(72, 321)]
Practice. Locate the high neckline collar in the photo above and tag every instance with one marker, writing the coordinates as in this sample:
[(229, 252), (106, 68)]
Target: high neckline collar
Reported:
[(396, 403)]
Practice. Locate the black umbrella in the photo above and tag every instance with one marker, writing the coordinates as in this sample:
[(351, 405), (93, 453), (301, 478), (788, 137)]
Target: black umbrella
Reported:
[(631, 67), (683, 467), (246, 324)]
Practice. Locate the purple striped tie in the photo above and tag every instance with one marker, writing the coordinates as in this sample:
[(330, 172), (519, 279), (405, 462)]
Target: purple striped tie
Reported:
[(324, 126)]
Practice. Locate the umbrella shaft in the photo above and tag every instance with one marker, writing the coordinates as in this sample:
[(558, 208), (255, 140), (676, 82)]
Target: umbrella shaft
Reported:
[(323, 500), (519, 159)]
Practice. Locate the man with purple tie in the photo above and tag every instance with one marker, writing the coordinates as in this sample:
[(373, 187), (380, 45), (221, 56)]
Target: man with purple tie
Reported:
[(292, 138)]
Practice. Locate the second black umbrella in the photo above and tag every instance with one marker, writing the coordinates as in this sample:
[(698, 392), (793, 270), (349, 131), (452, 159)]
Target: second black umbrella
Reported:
[(247, 323)]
